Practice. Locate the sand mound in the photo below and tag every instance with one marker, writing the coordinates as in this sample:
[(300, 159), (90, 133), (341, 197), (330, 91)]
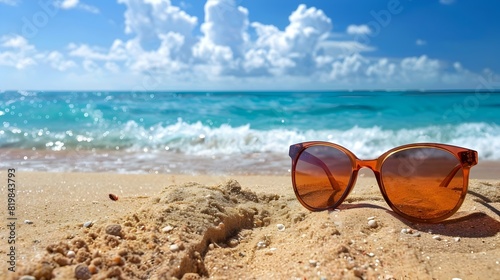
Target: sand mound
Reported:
[(167, 238)]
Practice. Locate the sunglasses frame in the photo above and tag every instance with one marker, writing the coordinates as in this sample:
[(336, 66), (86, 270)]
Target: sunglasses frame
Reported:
[(466, 157)]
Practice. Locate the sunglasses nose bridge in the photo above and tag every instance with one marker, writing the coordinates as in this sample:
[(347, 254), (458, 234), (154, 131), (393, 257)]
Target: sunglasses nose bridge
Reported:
[(371, 164)]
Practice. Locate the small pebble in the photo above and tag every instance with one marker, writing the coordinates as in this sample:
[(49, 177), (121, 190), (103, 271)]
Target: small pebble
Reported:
[(372, 224), (71, 254), (455, 278), (93, 269), (457, 239), (62, 261), (233, 242), (407, 231), (416, 234), (313, 263), (371, 218), (117, 260), (88, 224), (436, 237), (27, 277), (82, 271), (371, 254), (261, 244), (114, 229), (281, 227), (174, 247), (28, 222), (167, 229)]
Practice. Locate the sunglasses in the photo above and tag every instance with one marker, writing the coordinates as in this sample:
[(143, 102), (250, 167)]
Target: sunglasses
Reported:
[(425, 182)]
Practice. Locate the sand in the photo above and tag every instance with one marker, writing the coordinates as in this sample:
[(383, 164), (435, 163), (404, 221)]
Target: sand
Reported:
[(235, 227)]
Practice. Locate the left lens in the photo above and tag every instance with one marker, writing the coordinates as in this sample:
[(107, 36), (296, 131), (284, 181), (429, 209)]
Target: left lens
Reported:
[(321, 176), (425, 183)]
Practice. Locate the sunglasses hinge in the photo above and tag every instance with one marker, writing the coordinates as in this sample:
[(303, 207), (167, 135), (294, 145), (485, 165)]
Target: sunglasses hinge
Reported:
[(468, 157), (294, 150)]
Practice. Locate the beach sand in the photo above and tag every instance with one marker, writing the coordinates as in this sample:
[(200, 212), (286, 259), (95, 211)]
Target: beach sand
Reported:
[(237, 227)]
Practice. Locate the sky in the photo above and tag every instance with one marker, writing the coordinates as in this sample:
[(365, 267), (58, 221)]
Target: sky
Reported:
[(153, 45)]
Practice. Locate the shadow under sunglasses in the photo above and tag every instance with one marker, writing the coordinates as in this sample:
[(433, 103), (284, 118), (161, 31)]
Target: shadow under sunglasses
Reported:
[(474, 225)]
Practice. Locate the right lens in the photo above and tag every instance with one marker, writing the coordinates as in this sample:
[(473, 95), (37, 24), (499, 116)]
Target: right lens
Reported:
[(423, 182), (322, 174)]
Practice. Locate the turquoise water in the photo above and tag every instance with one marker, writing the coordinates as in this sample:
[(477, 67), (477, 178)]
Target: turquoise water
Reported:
[(230, 132)]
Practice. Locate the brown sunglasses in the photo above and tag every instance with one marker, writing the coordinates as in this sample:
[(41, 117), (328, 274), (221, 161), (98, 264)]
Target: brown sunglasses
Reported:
[(425, 182)]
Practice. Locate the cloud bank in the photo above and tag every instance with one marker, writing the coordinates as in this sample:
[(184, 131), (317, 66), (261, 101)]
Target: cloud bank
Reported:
[(232, 52)]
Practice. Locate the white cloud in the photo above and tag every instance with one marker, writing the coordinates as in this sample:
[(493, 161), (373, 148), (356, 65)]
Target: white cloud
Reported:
[(225, 38), (75, 4), (160, 60), (17, 52), (16, 42), (20, 54), (409, 71), (225, 25), (342, 48), (117, 51), (112, 67), (69, 4), (9, 2), (358, 29), (446, 2), (89, 8), (420, 64), (150, 18), (57, 61), (420, 42), (307, 27), (290, 51), (382, 70), (90, 66)]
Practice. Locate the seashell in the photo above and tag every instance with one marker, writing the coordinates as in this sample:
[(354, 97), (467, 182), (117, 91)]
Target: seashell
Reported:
[(372, 223), (174, 248), (113, 197), (167, 229), (88, 224), (281, 227)]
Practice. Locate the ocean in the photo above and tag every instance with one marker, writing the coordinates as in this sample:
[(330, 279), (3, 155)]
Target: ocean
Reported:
[(230, 132)]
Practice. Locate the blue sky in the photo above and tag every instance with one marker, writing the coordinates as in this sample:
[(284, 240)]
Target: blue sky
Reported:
[(248, 45)]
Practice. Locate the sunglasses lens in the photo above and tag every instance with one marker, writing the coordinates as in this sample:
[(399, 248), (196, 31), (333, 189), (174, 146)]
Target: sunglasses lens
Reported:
[(321, 176), (424, 183)]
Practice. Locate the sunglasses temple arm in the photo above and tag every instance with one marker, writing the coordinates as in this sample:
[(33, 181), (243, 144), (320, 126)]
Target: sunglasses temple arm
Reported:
[(450, 176), (309, 158)]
